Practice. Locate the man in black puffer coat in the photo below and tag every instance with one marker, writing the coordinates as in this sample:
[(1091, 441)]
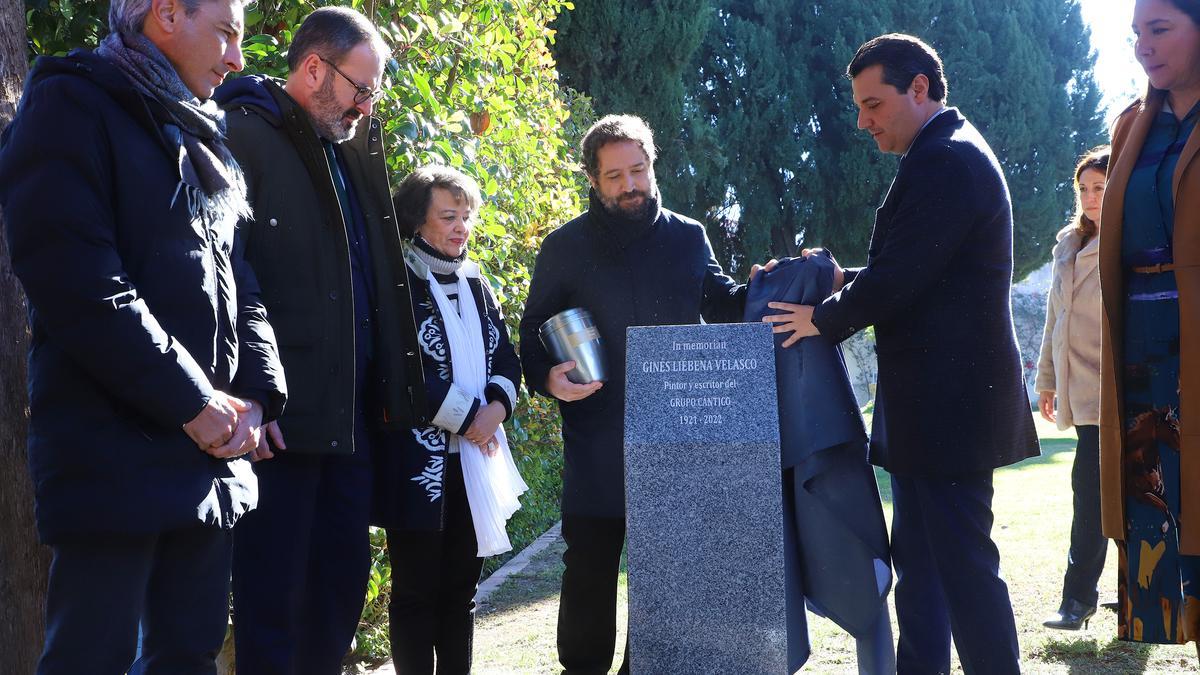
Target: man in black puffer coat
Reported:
[(324, 244), (152, 366), (629, 262)]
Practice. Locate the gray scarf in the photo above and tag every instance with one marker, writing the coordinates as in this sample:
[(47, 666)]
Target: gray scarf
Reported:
[(209, 176), (438, 262)]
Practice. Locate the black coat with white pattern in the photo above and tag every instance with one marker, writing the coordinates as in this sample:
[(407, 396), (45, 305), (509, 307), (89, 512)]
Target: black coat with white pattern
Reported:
[(409, 464)]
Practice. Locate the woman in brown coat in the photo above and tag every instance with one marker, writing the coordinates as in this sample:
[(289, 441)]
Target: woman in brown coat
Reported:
[(1150, 361)]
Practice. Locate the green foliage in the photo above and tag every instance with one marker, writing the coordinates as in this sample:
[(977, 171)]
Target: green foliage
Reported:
[(58, 26), (371, 640), (454, 65), (633, 56), (774, 159), (1022, 72)]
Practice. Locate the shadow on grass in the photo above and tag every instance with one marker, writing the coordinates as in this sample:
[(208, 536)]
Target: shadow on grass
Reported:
[(1051, 449), (539, 581), (1086, 655)]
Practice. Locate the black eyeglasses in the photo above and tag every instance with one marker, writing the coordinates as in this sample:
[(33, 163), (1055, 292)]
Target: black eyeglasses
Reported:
[(363, 93)]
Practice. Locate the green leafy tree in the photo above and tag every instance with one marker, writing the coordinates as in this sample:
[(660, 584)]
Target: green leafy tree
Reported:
[(789, 165), (1022, 72), (632, 56), (471, 84), (774, 159)]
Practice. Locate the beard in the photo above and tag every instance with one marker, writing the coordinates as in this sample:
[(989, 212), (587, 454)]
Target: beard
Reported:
[(332, 121), (628, 205)]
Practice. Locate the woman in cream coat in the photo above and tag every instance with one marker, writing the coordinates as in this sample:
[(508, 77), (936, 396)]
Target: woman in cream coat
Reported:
[(1069, 371)]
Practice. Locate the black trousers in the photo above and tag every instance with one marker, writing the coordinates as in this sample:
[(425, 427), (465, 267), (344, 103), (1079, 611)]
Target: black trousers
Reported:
[(434, 578), (301, 563), (175, 583), (587, 611), (948, 577), (1085, 560)]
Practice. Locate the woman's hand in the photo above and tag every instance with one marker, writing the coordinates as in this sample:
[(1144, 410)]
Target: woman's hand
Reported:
[(484, 426), (1046, 406), (490, 448)]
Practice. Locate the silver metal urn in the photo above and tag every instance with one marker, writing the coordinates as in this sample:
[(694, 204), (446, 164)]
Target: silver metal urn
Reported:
[(571, 335)]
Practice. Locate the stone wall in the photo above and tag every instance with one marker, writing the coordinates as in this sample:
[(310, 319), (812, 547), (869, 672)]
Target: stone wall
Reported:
[(1029, 317), (859, 352)]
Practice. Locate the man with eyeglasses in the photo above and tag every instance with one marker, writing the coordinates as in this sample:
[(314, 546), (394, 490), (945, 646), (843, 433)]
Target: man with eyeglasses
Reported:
[(324, 244)]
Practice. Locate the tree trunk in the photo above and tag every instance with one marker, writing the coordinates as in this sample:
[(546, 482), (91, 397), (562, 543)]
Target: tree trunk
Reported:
[(24, 563)]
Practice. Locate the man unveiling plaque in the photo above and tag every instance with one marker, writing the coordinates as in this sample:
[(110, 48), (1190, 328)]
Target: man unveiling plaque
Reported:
[(703, 497)]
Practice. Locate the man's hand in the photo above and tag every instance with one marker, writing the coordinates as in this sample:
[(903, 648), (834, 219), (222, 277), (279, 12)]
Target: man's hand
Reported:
[(565, 390), (215, 423), (275, 436), (755, 269), (1046, 406), (247, 436), (796, 320), (484, 426), (839, 276)]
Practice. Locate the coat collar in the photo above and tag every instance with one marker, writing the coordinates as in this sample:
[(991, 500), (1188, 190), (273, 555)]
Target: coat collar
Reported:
[(1151, 106), (1185, 158), (938, 126), (1068, 242)]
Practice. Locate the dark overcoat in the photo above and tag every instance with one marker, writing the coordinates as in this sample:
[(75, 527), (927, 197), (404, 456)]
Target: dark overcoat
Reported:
[(951, 393), (298, 246), (139, 310), (666, 275)]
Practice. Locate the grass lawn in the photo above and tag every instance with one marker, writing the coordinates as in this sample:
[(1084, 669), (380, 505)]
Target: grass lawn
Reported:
[(515, 631)]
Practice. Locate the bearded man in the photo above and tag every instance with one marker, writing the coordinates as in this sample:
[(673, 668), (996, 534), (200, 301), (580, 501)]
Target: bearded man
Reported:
[(324, 243), (629, 262)]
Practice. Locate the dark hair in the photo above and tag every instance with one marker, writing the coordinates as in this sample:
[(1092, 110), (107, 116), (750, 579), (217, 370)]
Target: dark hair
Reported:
[(331, 32), (612, 129), (903, 57), (412, 197), (1189, 7), (1096, 158)]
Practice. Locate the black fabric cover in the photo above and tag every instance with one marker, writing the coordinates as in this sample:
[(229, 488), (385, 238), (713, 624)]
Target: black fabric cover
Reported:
[(836, 548)]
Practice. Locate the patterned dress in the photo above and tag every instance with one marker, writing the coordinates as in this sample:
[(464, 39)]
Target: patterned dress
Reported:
[(1158, 588)]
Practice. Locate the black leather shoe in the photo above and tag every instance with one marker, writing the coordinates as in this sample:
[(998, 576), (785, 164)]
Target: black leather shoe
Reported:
[(1073, 615)]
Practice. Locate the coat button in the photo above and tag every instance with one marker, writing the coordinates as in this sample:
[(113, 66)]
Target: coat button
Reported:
[(333, 444), (333, 295), (273, 222)]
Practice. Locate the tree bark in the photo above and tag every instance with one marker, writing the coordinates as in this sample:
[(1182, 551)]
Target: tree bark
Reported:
[(24, 562)]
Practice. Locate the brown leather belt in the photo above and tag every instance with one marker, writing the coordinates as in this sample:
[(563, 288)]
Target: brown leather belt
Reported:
[(1154, 269)]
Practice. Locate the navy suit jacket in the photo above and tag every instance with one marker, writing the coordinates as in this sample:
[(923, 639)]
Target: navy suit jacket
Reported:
[(951, 394)]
